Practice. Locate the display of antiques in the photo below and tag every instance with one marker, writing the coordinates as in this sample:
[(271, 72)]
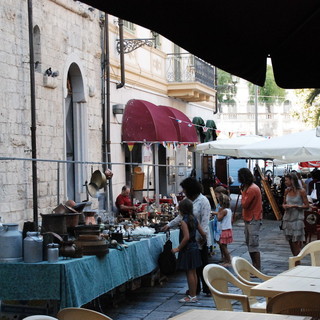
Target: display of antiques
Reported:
[(71, 231)]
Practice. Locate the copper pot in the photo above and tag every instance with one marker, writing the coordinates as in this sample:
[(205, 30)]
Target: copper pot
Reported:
[(54, 222), (89, 218), (109, 174), (72, 219), (92, 229), (92, 246), (68, 249)]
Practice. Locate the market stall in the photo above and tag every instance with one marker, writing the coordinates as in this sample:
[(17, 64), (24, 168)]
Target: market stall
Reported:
[(227, 147), (290, 148), (75, 282)]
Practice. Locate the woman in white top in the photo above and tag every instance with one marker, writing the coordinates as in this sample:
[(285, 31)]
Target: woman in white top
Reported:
[(225, 216)]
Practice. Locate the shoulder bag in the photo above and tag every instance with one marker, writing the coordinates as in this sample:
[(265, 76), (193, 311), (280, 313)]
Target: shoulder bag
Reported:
[(313, 194), (167, 259)]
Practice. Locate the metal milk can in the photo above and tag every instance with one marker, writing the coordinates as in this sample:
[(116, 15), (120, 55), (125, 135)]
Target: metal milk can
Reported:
[(10, 243), (33, 247), (52, 252)]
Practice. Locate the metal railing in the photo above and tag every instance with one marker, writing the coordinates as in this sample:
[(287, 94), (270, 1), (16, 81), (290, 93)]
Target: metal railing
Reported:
[(184, 67), (51, 176)]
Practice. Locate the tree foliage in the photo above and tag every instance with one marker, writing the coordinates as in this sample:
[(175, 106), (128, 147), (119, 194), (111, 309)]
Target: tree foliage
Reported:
[(226, 90), (270, 93), (309, 99)]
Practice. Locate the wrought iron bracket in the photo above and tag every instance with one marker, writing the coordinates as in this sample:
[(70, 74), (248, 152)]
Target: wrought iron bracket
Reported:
[(130, 45)]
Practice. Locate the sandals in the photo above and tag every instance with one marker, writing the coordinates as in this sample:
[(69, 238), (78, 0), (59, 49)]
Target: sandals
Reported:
[(189, 299)]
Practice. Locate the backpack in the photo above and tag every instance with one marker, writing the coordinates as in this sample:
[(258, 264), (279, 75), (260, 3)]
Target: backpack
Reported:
[(167, 259)]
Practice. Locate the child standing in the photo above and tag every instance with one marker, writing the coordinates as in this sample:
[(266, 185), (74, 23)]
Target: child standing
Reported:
[(189, 258), (215, 225), (225, 216)]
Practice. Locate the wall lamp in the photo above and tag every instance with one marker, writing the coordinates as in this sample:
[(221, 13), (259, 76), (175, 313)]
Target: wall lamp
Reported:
[(117, 109)]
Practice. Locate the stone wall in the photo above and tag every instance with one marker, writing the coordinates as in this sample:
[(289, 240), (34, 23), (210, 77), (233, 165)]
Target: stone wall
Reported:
[(69, 33)]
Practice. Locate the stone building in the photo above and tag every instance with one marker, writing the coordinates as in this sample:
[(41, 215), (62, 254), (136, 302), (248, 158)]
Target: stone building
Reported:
[(59, 99), (66, 91)]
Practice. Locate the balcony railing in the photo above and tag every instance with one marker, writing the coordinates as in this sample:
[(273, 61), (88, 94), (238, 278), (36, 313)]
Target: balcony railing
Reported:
[(188, 68)]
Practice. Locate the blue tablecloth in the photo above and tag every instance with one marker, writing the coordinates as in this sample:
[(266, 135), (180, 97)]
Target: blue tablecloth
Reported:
[(77, 281)]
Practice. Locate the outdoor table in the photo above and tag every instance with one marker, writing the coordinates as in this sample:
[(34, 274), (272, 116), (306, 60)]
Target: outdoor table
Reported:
[(202, 314), (299, 278), (75, 282)]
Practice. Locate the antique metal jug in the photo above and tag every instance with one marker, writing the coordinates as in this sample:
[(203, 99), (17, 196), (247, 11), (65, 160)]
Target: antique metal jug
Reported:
[(52, 252), (33, 247), (10, 243)]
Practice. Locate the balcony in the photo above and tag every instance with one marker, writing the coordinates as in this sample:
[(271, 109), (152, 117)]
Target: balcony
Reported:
[(189, 78)]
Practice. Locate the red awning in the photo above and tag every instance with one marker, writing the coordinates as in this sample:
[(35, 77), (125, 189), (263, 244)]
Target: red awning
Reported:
[(185, 129), (145, 122)]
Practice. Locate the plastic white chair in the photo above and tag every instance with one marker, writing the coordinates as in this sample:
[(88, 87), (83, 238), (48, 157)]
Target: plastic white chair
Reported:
[(218, 279), (243, 269), (39, 317), (81, 314), (312, 249)]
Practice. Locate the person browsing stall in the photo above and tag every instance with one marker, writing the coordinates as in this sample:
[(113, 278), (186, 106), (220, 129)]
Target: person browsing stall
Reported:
[(251, 201), (225, 217), (215, 224), (189, 258), (201, 210), (124, 203)]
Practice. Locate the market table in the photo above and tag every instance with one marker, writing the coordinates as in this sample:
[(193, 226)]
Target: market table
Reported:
[(75, 282), (197, 314), (299, 278)]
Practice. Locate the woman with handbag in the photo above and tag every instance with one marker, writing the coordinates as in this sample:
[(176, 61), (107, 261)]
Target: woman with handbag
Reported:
[(295, 203)]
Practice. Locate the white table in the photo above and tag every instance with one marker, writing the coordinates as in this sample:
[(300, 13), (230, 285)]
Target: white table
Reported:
[(210, 314), (299, 278), (303, 271)]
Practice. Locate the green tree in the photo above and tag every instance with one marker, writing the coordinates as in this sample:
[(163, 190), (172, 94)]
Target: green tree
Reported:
[(226, 90), (310, 110), (270, 93)]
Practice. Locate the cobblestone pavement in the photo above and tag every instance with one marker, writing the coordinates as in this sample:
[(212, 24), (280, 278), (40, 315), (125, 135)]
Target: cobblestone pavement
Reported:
[(161, 301)]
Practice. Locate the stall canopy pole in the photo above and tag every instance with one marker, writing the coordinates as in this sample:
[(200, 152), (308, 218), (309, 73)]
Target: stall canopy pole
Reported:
[(148, 181), (106, 140), (156, 172), (33, 117)]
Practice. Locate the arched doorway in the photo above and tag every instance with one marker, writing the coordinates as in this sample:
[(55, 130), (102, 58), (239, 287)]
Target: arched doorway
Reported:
[(75, 133)]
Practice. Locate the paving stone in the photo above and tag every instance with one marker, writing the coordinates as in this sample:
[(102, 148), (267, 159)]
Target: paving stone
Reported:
[(134, 312), (162, 290), (142, 305), (146, 298), (157, 315), (171, 305), (125, 317)]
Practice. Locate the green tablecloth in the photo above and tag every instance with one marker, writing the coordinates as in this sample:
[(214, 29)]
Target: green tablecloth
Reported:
[(77, 281)]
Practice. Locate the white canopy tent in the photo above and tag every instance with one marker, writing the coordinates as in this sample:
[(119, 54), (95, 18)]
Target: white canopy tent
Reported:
[(228, 147), (295, 147)]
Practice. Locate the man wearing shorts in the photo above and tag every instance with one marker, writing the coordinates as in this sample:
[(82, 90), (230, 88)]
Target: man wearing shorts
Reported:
[(252, 213)]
